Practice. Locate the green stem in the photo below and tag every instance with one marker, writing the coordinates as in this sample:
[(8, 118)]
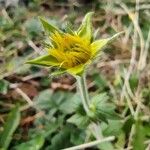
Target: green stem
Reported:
[(83, 90), (82, 87)]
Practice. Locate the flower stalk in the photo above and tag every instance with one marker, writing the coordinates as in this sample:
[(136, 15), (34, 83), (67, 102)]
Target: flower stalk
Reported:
[(82, 87), (83, 90)]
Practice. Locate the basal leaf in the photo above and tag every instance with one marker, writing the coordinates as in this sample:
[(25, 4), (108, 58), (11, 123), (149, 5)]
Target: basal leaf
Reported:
[(79, 120), (102, 109)]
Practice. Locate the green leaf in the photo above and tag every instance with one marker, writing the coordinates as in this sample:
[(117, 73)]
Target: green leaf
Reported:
[(101, 109), (10, 127), (79, 120), (85, 30), (49, 28), (139, 137), (72, 102), (128, 124), (46, 60), (4, 86), (61, 140), (114, 127), (35, 144), (43, 100), (58, 101), (78, 136)]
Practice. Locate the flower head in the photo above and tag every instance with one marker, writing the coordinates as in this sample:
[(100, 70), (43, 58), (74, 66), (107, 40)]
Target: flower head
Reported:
[(71, 52)]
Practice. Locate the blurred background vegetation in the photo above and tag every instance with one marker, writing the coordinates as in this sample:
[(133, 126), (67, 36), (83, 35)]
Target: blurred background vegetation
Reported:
[(35, 108)]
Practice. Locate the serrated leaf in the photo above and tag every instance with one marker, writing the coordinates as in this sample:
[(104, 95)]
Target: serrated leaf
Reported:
[(114, 127), (61, 140), (72, 103), (79, 120), (101, 109), (85, 30), (77, 136), (35, 144), (9, 128), (43, 100), (49, 28), (105, 145)]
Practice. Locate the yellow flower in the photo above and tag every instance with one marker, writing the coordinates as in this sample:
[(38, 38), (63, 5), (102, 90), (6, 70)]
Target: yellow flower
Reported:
[(71, 52)]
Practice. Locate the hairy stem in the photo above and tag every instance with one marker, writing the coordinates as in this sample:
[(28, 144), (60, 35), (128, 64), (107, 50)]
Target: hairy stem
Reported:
[(82, 87)]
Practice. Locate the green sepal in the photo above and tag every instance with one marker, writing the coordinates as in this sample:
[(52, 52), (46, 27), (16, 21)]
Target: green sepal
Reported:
[(46, 60), (85, 30), (48, 28), (77, 70), (102, 43), (58, 72)]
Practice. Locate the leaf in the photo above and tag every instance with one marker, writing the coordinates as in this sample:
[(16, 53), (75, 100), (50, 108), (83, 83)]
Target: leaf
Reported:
[(101, 109), (43, 100), (72, 103), (9, 128), (46, 60), (57, 101), (105, 145), (35, 144), (79, 120), (61, 140), (139, 137), (4, 86), (114, 127), (128, 124), (85, 30), (49, 28), (78, 136)]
